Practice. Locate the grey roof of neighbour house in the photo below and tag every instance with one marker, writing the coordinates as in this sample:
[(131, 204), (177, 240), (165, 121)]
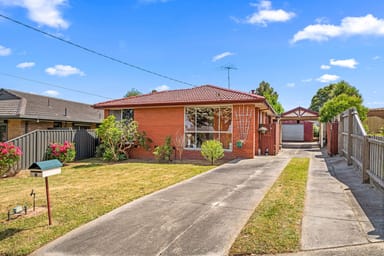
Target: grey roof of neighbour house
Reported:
[(15, 104)]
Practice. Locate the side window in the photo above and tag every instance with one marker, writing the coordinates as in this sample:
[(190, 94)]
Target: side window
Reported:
[(116, 113), (128, 114)]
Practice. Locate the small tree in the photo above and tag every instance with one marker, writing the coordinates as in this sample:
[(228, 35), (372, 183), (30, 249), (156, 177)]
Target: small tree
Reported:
[(180, 144), (164, 152), (212, 150)]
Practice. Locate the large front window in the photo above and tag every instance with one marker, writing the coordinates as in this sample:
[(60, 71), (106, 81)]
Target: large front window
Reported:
[(207, 123)]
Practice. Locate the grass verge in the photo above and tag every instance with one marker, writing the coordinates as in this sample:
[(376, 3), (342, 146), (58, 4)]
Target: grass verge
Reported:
[(81, 193), (275, 226)]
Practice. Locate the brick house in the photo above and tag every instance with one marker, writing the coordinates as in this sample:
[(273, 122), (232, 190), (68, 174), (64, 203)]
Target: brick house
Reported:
[(202, 113), (22, 112)]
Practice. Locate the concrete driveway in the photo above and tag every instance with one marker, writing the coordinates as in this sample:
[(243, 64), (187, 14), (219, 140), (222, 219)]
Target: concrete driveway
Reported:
[(200, 216)]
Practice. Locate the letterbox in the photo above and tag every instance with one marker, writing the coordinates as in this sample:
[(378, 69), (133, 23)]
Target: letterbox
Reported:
[(45, 168)]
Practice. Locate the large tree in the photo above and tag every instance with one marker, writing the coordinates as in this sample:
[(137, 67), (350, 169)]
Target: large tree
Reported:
[(272, 97), (132, 92), (341, 103), (331, 91)]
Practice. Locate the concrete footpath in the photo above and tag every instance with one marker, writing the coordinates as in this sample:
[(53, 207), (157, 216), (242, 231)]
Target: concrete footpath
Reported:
[(342, 216), (200, 216)]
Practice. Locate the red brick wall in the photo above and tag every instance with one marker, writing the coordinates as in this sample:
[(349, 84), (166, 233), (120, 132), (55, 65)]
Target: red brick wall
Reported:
[(168, 121), (159, 123), (248, 148)]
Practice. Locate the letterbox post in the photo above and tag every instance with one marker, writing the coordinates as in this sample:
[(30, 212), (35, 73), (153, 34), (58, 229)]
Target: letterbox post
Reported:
[(48, 202), (45, 169)]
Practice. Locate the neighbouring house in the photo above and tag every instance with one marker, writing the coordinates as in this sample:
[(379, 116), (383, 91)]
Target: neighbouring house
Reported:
[(202, 113), (375, 120), (22, 112), (297, 125)]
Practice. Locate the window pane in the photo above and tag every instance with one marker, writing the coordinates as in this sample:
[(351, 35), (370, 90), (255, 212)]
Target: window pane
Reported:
[(189, 121), (226, 119), (190, 139), (201, 137), (128, 114), (204, 119), (116, 113)]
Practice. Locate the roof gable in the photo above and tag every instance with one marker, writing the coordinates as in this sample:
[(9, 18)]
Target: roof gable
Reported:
[(5, 95), (300, 112), (206, 94)]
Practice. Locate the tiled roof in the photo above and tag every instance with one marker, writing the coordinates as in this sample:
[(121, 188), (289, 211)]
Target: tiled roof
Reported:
[(206, 94), (15, 104)]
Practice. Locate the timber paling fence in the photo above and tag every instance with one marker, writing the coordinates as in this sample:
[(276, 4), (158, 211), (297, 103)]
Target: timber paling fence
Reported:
[(34, 144), (365, 152)]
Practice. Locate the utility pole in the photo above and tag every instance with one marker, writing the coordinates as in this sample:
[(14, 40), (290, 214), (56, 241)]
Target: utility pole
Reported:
[(229, 68)]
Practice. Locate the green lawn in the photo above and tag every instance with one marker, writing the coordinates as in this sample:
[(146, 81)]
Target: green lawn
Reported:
[(275, 226), (81, 193)]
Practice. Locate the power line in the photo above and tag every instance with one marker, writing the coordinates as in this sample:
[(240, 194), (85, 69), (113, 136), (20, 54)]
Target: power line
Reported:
[(54, 85), (96, 52)]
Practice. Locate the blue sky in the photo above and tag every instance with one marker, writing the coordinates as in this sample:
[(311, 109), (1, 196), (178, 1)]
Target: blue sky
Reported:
[(297, 46)]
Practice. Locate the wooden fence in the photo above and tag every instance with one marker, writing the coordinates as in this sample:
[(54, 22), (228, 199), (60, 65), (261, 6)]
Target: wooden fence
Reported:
[(34, 144), (365, 152)]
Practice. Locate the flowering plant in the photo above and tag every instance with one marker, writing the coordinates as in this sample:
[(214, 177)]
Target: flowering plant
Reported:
[(63, 152), (9, 155)]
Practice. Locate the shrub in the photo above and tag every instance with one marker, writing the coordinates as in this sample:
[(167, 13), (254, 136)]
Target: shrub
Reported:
[(63, 152), (119, 138), (9, 155), (212, 150), (164, 152)]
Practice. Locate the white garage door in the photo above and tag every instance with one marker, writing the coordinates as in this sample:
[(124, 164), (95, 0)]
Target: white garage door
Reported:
[(293, 132)]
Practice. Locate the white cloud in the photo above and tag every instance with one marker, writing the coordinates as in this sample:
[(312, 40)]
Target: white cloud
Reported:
[(307, 80), (52, 93), (26, 65), (376, 57), (326, 78), (290, 85), (265, 14), (325, 67), (322, 20), (63, 70), (221, 56), (44, 12), (162, 88), (348, 63), (349, 26), (4, 51)]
